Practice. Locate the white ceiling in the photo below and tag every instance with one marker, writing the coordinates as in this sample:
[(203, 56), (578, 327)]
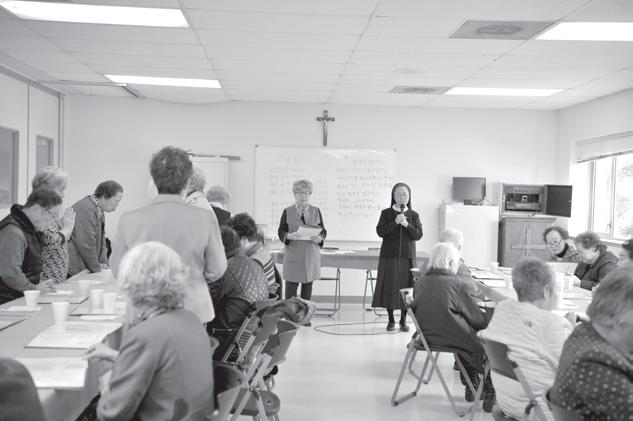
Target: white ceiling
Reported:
[(328, 51)]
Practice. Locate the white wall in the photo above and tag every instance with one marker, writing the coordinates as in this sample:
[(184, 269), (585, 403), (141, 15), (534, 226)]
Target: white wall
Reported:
[(602, 117), (32, 112), (113, 138)]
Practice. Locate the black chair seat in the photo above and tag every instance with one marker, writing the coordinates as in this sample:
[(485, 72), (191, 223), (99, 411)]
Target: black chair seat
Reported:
[(272, 403)]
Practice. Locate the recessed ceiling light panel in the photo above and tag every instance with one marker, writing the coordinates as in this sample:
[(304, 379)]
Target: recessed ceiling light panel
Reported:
[(420, 90), (590, 31), (501, 91), (87, 13), (165, 81), (490, 29)]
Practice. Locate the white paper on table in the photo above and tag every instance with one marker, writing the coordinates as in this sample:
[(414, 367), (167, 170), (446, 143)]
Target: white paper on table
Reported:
[(57, 373), (98, 317), (76, 335), (485, 274), (60, 292), (88, 281), (306, 232), (493, 283), (22, 308)]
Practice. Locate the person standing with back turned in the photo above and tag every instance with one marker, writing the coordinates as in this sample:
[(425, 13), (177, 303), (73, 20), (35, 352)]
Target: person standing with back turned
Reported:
[(399, 227)]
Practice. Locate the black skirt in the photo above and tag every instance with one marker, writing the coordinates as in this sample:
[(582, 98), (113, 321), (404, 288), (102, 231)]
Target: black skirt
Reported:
[(393, 275)]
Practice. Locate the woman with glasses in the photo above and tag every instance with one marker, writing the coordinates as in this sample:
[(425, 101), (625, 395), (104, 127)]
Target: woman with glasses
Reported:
[(302, 258), (556, 242)]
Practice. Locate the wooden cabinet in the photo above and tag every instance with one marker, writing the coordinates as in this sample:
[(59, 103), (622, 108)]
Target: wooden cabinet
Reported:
[(522, 236)]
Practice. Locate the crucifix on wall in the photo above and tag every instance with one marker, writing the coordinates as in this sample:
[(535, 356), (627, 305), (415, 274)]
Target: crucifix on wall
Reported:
[(324, 120)]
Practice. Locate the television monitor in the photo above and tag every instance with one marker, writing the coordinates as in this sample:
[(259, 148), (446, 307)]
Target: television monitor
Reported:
[(469, 189), (558, 200)]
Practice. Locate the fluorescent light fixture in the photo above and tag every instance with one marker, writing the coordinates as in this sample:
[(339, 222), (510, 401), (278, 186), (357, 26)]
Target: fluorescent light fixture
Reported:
[(165, 81), (501, 91), (86, 13), (589, 31)]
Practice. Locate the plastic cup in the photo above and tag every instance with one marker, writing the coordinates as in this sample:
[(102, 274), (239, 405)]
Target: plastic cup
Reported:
[(494, 266), (60, 311), (84, 287), (31, 296), (109, 298), (96, 296)]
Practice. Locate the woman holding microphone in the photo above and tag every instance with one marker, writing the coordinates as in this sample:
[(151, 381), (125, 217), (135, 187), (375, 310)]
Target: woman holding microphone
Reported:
[(399, 227)]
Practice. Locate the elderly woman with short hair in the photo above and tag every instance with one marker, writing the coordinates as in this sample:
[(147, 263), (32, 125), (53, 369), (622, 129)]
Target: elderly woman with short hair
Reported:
[(534, 335), (596, 260), (302, 258), (195, 191), (556, 240), (56, 237), (218, 197), (192, 232), (626, 254), (164, 359), (450, 316), (595, 375), (87, 248)]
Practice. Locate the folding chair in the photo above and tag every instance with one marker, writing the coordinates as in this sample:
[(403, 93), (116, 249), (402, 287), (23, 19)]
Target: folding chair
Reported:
[(497, 353), (228, 381), (418, 343), (369, 279), (560, 413), (277, 346), (336, 305)]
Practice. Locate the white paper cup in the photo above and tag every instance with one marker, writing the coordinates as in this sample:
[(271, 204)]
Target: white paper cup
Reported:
[(560, 282), (60, 311), (109, 298), (494, 266), (84, 287), (96, 296), (107, 275), (31, 296)]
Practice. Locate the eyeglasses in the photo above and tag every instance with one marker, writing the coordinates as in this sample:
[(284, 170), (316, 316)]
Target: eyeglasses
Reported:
[(553, 243)]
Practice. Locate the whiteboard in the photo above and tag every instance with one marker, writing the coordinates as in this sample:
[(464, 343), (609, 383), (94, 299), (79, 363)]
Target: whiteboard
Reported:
[(351, 187)]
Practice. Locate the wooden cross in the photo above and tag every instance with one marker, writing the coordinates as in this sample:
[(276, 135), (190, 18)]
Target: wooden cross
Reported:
[(325, 120)]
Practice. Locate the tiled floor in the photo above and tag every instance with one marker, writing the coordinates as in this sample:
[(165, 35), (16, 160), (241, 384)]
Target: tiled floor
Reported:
[(351, 375)]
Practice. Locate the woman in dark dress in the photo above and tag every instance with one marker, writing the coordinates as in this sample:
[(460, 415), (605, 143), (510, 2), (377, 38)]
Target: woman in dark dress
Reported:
[(399, 227)]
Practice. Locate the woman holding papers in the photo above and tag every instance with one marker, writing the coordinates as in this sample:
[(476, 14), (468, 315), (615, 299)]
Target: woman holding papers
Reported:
[(162, 370), (399, 227), (302, 231)]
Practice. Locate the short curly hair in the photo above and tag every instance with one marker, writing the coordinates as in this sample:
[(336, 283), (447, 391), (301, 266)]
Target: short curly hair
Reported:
[(564, 234), (153, 275), (530, 277), (50, 177), (217, 194), (245, 226), (628, 246), (230, 240), (107, 189), (300, 185), (589, 240), (197, 181), (46, 198), (171, 169)]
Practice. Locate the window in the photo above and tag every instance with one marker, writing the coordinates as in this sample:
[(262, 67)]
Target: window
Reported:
[(612, 203), (8, 167), (43, 153)]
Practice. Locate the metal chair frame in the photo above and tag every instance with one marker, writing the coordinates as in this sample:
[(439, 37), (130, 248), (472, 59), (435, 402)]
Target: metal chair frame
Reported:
[(336, 306), (418, 343), (501, 364)]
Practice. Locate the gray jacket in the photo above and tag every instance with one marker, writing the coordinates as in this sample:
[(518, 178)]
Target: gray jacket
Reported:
[(86, 249)]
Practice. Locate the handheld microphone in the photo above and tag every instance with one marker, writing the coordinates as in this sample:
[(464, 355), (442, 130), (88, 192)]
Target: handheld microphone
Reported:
[(402, 207)]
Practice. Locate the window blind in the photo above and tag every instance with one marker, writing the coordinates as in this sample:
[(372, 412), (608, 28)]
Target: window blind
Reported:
[(600, 147)]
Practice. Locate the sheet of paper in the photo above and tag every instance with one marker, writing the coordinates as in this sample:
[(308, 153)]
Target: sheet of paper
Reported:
[(119, 310), (7, 320), (98, 317), (60, 292), (22, 308), (485, 274), (493, 283), (47, 299), (306, 232), (56, 373), (77, 335), (88, 281)]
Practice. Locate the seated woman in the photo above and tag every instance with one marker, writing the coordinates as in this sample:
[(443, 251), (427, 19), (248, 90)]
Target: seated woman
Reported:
[(596, 260), (626, 254), (595, 375), (556, 241), (164, 358), (450, 316), (236, 292), (534, 335), (252, 244)]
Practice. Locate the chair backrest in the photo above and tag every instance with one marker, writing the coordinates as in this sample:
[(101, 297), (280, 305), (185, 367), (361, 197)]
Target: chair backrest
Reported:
[(407, 298), (228, 381), (498, 356), (259, 336), (560, 413)]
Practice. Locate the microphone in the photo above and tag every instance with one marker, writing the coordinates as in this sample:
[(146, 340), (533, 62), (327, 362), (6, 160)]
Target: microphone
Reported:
[(402, 207)]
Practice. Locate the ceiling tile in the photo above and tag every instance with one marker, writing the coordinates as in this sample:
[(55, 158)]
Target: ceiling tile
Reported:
[(11, 26), (130, 48), (142, 61), (380, 26), (114, 32), (404, 72), (46, 66), (277, 66), (274, 53), (400, 80), (288, 41), (103, 90), (492, 72), (575, 48), (436, 46), (481, 9), (153, 71), (556, 61), (26, 43), (520, 83), (277, 23), (422, 60), (35, 55), (323, 7), (262, 76), (604, 11)]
